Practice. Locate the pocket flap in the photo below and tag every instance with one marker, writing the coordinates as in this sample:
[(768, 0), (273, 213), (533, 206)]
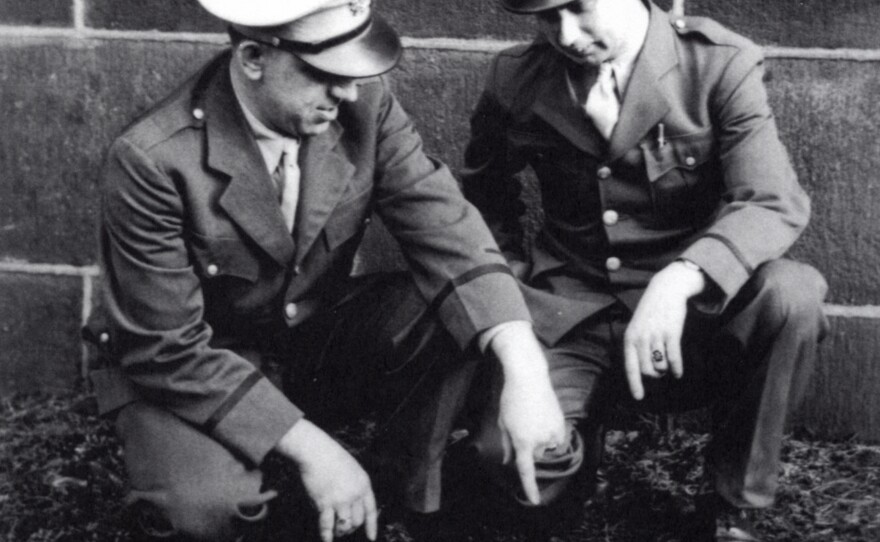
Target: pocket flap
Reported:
[(222, 256), (683, 152)]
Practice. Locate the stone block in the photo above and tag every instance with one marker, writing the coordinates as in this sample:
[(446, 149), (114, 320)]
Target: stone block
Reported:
[(828, 121), (39, 332), (843, 398), (177, 16), (36, 12), (459, 19), (798, 23), (63, 101)]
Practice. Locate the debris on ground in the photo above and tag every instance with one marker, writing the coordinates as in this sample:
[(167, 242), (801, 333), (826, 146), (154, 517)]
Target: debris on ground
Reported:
[(61, 479)]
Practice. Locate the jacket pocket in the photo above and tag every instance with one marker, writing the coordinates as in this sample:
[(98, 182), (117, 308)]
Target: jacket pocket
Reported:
[(216, 257), (683, 176)]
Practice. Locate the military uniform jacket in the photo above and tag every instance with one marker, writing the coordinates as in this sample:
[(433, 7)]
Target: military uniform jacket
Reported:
[(694, 168), (199, 269)]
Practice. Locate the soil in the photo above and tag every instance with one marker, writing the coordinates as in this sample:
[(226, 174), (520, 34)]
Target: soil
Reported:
[(61, 480)]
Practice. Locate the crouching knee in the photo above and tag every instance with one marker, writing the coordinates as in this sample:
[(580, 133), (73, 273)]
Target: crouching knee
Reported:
[(184, 485), (793, 294)]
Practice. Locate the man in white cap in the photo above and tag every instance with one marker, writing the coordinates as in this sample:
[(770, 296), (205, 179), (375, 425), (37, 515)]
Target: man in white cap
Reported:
[(668, 203), (231, 215)]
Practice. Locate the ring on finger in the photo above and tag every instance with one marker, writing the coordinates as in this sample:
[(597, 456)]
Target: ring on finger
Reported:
[(657, 356), (342, 523)]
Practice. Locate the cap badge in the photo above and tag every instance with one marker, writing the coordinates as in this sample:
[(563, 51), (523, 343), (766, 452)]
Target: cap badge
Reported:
[(358, 6)]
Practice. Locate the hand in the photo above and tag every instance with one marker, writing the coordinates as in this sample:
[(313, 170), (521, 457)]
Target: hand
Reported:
[(652, 342), (335, 482), (529, 415)]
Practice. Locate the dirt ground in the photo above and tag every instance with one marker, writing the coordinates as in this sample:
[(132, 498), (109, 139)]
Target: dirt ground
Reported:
[(61, 480)]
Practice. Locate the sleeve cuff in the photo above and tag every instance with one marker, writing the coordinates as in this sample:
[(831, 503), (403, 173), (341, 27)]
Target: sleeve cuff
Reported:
[(258, 421), (481, 304), (719, 264)]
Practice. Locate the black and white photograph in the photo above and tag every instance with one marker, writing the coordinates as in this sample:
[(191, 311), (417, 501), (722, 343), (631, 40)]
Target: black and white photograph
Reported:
[(439, 271)]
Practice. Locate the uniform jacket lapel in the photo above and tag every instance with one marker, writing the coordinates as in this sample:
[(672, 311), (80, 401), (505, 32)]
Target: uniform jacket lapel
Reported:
[(249, 199), (325, 172), (554, 104), (645, 102)]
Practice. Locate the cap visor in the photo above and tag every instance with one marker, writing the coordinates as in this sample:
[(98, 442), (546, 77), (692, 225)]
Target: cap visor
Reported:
[(374, 52)]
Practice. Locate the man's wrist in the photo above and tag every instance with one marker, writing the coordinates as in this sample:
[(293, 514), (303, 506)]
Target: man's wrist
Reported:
[(690, 276)]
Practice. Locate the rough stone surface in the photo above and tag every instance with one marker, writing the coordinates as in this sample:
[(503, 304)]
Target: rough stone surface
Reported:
[(828, 120), (798, 23), (61, 102), (842, 399), (459, 19), (36, 12), (39, 332), (176, 16)]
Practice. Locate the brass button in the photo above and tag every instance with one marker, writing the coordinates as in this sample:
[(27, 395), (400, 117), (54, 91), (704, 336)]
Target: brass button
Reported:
[(690, 161), (612, 264), (104, 338), (199, 113), (680, 24), (610, 217), (368, 220), (212, 270), (297, 270), (290, 310), (604, 172)]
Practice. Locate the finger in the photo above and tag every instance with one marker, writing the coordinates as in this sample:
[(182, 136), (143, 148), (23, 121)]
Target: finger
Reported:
[(659, 359), (345, 523), (633, 371), (525, 465), (357, 515), (673, 355), (645, 361), (371, 516), (325, 524)]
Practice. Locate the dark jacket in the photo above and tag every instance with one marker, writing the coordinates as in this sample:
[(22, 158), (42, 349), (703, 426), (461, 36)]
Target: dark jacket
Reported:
[(716, 187), (200, 271)]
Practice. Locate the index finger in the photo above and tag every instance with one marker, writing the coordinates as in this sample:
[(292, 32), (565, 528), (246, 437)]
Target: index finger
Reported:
[(525, 466), (633, 371), (372, 524)]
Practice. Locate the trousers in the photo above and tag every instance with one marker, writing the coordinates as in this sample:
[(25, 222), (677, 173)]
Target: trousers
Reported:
[(749, 364)]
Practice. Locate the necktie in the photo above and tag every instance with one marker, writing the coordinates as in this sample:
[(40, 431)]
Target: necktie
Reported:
[(602, 105), (287, 182)]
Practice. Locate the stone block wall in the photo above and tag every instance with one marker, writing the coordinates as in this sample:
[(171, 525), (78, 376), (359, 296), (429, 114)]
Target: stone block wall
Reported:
[(73, 73)]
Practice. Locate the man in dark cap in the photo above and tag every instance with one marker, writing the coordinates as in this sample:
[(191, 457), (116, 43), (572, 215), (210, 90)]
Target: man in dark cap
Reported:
[(231, 216), (668, 202)]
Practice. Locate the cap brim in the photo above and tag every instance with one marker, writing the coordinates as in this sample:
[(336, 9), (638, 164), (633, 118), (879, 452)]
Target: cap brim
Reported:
[(374, 52), (533, 6)]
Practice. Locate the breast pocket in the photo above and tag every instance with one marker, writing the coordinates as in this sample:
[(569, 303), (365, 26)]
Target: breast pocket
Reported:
[(685, 180)]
